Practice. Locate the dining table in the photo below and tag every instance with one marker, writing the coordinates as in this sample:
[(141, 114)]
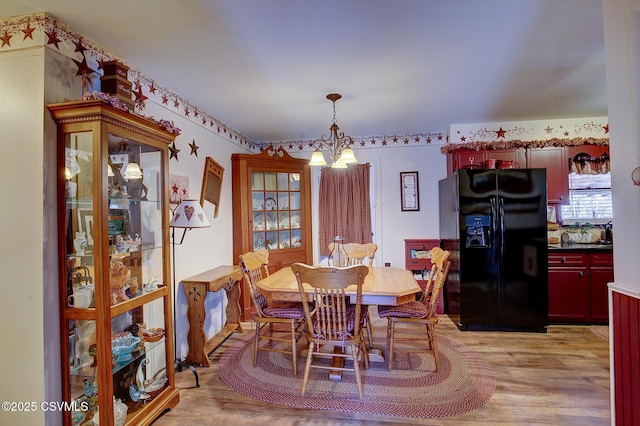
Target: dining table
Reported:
[(382, 286)]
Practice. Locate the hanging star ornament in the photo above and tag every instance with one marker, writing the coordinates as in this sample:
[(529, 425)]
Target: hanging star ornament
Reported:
[(174, 151), (53, 38), (85, 72), (194, 148), (140, 97)]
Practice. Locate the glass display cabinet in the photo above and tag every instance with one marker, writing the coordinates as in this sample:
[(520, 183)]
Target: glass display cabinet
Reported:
[(271, 210), (115, 289)]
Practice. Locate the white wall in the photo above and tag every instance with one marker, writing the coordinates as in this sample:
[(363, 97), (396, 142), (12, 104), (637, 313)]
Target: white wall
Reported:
[(622, 46), (204, 248), (22, 371)]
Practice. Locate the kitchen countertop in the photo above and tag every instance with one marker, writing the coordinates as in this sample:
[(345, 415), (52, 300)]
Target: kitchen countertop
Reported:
[(581, 247)]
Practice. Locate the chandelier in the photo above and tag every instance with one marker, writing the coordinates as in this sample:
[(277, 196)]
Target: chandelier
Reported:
[(338, 145)]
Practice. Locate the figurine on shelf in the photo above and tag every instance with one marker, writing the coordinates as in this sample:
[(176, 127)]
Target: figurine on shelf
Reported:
[(120, 244), (118, 280), (151, 285), (133, 244)]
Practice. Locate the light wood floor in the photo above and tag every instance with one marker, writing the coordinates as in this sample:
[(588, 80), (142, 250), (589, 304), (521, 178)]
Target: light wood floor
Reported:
[(557, 378)]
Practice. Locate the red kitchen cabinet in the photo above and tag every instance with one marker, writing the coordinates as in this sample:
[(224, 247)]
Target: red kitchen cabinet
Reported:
[(463, 158), (601, 273), (516, 155), (569, 294), (554, 159), (578, 286)]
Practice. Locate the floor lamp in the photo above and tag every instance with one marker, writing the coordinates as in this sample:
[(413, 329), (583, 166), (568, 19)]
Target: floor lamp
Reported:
[(187, 215)]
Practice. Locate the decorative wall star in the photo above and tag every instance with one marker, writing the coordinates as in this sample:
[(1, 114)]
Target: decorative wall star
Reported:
[(53, 39), (501, 132), (140, 97), (165, 100), (79, 47), (152, 88), (194, 148), (83, 67), (28, 31), (85, 72), (6, 39), (606, 128), (174, 151)]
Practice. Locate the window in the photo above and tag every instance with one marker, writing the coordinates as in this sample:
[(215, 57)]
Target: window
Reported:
[(589, 199)]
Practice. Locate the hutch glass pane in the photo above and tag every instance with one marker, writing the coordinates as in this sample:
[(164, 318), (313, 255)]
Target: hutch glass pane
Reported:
[(259, 241), (83, 369), (283, 181), (295, 219), (79, 215), (258, 221), (270, 202), (296, 238), (283, 200), (257, 201), (294, 181), (295, 200), (257, 181), (285, 239), (270, 181)]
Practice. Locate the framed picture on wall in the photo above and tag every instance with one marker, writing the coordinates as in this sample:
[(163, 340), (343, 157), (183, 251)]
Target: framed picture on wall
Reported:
[(409, 193)]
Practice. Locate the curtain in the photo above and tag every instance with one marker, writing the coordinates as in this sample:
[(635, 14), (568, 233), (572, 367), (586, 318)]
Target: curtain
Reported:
[(345, 207), (585, 164)]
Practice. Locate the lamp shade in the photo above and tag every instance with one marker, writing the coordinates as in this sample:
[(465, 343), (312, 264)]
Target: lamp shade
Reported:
[(317, 159), (132, 171), (347, 156), (338, 165), (189, 214)]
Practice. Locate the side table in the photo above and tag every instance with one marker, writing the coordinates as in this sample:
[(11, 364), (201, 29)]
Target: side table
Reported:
[(195, 289)]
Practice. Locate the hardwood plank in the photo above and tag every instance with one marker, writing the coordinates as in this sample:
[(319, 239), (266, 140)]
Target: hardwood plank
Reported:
[(559, 377)]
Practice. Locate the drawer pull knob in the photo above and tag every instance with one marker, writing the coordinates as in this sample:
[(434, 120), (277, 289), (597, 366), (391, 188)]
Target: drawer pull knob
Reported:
[(564, 260)]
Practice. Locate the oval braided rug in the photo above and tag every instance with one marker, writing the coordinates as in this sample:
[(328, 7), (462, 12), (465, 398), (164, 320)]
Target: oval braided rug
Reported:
[(412, 389)]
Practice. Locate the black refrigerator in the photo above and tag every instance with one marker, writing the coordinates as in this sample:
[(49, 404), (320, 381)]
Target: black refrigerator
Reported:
[(495, 223)]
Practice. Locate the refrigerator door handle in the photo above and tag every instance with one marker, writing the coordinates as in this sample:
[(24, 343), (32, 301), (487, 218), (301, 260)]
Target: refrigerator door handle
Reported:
[(501, 215), (494, 230)]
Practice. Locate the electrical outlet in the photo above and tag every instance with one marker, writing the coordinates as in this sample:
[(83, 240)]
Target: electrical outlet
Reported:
[(387, 264)]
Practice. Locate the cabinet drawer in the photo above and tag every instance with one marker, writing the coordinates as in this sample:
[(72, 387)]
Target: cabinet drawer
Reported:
[(568, 259), (601, 259)]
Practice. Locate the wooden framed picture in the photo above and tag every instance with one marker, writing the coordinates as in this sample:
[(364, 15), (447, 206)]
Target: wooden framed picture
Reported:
[(118, 222), (85, 224), (409, 192)]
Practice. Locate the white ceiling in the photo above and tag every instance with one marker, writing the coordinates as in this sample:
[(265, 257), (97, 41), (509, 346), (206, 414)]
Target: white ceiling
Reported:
[(404, 66)]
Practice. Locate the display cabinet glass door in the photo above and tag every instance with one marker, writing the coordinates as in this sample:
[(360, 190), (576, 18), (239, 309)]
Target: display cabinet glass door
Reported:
[(275, 200), (131, 246)]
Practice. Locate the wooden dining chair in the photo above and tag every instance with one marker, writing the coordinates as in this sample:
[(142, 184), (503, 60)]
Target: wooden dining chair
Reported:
[(417, 320), (331, 320), (268, 315), (355, 254)]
